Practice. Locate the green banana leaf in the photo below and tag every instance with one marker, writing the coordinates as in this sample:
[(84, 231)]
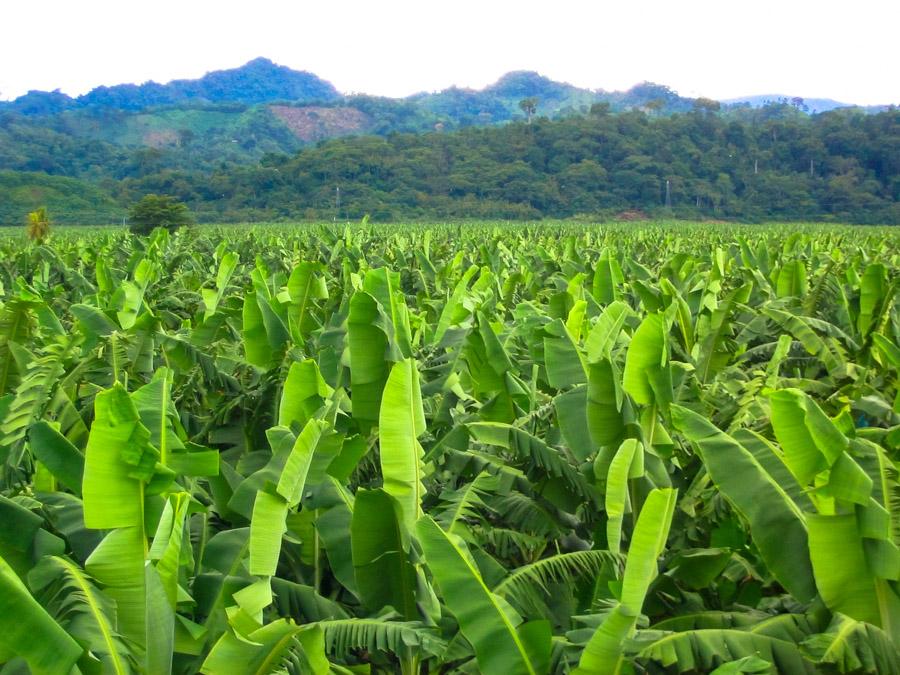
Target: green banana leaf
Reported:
[(264, 650), (384, 285), (380, 545), (263, 332), (603, 335), (401, 422), (304, 392), (872, 289), (305, 285), (777, 525), (571, 413), (792, 280), (450, 314), (27, 631), (841, 572), (604, 404), (212, 297), (483, 620), (266, 530), (810, 441), (647, 358), (617, 500), (119, 460), (54, 450), (87, 613), (118, 565), (603, 654), (608, 278), (704, 650), (369, 337), (294, 476), (851, 646)]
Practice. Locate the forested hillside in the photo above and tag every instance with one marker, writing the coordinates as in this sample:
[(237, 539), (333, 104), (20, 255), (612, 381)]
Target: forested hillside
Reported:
[(236, 116), (840, 165), (265, 142)]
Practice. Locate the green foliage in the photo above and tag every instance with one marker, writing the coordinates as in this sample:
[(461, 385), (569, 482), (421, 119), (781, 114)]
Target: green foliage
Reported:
[(154, 211), (70, 200), (746, 166), (488, 448)]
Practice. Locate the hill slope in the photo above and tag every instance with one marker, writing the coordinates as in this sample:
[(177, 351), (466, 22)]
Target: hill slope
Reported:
[(238, 115), (257, 81), (69, 201), (841, 166)]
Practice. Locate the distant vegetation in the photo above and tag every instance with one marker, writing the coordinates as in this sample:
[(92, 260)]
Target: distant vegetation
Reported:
[(71, 201), (247, 144), (154, 211), (838, 166), (841, 165)]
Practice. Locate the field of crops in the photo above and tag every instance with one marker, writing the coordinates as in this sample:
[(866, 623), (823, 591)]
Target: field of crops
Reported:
[(487, 448)]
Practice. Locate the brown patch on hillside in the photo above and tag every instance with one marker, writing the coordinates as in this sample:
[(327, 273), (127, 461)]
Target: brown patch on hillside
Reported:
[(312, 123), (160, 138)]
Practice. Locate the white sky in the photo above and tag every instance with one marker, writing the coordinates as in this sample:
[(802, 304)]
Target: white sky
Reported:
[(717, 48)]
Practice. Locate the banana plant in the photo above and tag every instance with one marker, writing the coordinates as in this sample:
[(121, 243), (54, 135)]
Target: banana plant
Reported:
[(449, 448), (604, 651)]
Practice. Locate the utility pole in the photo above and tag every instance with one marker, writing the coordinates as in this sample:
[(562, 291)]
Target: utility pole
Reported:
[(337, 203), (668, 195), (811, 168), (755, 166)]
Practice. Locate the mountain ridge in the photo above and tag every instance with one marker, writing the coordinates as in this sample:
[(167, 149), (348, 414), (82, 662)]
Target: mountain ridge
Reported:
[(809, 105), (261, 80)]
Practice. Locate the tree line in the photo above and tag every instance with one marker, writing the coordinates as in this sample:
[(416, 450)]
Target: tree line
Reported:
[(773, 163)]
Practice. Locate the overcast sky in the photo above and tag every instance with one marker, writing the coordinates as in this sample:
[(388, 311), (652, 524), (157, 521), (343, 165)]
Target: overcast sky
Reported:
[(716, 48)]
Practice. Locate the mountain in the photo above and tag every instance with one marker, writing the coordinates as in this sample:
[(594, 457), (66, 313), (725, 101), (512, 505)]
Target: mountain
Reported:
[(257, 81), (524, 83), (261, 81), (240, 115), (499, 102), (810, 105)]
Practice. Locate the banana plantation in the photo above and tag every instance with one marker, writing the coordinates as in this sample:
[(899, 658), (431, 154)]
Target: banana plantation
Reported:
[(480, 448)]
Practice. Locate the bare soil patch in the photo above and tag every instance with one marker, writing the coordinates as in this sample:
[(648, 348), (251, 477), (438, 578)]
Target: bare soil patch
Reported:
[(312, 123)]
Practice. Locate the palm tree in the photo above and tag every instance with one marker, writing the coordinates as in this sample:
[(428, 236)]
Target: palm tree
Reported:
[(38, 227)]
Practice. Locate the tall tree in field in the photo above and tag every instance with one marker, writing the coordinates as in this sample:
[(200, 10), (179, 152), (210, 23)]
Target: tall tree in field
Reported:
[(158, 211)]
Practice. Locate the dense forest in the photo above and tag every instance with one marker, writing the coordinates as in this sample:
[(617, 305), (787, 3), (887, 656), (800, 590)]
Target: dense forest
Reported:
[(840, 165), (767, 164), (524, 148)]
